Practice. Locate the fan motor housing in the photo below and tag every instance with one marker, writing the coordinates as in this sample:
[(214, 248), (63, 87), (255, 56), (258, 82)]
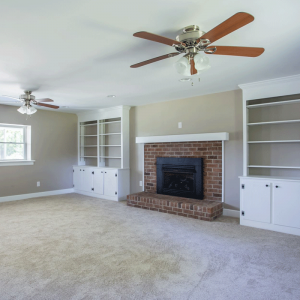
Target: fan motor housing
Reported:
[(189, 34)]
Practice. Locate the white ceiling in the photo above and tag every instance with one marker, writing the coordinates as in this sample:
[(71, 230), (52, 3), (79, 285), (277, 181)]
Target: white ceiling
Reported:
[(78, 52)]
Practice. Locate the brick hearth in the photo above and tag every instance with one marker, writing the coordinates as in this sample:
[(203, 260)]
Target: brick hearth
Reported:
[(191, 208), (211, 152)]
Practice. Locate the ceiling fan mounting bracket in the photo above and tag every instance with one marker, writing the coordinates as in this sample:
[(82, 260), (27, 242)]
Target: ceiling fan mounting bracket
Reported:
[(27, 96)]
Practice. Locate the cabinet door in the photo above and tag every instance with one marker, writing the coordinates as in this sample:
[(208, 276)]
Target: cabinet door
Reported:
[(87, 179), (256, 200), (286, 197), (110, 183), (98, 181), (76, 178)]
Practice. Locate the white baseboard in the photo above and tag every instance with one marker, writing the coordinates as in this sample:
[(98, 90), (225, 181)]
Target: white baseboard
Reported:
[(231, 213), (35, 195)]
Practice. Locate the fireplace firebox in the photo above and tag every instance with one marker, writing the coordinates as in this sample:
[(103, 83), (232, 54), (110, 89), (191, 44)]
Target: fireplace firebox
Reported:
[(182, 177)]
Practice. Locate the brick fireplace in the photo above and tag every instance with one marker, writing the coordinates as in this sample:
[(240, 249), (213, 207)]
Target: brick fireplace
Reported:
[(210, 152), (207, 149)]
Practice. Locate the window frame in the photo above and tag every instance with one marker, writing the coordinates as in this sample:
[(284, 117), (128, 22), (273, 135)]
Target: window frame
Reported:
[(27, 146)]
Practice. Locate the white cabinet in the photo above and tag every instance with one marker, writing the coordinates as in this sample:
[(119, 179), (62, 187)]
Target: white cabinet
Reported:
[(105, 183), (272, 204), (98, 181), (287, 203), (111, 182), (256, 200)]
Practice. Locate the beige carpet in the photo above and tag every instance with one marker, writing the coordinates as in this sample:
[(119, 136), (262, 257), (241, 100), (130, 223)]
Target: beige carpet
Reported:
[(77, 247)]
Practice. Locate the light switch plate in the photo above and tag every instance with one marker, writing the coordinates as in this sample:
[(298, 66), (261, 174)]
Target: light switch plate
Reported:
[(38, 183), (179, 124), (141, 183)]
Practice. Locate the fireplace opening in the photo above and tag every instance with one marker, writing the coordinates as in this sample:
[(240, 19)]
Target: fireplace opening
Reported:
[(180, 177)]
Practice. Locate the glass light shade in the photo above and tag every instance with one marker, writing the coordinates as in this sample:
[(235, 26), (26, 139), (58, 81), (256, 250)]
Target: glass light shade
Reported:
[(183, 66), (201, 62), (22, 110), (31, 110), (27, 110)]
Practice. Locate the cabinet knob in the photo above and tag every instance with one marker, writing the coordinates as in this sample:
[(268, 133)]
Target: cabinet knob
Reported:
[(80, 169), (277, 186), (267, 185)]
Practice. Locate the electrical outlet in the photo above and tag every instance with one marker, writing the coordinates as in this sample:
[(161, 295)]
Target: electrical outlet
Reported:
[(179, 124), (38, 183), (141, 183)]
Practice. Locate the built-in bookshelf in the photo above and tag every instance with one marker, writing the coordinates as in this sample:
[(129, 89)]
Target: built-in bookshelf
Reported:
[(272, 131), (104, 138)]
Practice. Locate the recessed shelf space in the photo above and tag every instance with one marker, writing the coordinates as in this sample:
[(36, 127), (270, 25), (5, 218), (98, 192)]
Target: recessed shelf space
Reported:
[(110, 146), (88, 135), (88, 156)]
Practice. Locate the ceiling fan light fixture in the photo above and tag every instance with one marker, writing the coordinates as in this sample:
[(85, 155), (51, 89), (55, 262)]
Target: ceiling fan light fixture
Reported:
[(31, 110), (22, 110), (201, 62), (182, 66)]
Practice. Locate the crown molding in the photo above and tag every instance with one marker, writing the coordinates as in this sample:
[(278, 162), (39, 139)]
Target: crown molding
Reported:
[(274, 81)]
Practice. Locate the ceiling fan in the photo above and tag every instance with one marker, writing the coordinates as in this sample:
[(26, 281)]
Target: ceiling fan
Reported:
[(192, 41), (28, 100)]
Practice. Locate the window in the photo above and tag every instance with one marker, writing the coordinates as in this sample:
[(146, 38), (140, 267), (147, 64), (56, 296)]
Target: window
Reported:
[(15, 145)]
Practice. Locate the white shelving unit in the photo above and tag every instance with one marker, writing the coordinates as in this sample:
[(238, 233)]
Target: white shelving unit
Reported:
[(103, 154), (104, 138), (270, 185)]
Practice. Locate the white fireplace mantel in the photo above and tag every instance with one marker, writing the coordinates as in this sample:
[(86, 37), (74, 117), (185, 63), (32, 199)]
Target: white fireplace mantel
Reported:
[(216, 136)]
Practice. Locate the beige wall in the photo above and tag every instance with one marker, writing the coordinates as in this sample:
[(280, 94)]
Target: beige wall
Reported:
[(54, 149), (221, 112)]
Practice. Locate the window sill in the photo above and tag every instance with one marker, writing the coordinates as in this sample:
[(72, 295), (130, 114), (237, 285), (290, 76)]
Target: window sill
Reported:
[(4, 163)]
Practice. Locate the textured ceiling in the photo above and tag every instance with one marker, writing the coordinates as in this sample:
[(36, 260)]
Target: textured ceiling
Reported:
[(78, 52)]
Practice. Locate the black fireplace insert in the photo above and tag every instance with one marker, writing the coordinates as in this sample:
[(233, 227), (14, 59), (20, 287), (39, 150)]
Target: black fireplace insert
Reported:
[(182, 177)]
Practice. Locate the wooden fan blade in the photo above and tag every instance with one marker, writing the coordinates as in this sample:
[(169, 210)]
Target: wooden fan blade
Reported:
[(44, 100), (193, 69), (233, 23), (48, 105), (239, 51), (150, 61), (156, 38)]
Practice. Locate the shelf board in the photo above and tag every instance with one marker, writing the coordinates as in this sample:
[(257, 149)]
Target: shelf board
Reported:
[(110, 133), (110, 145), (89, 156), (282, 141), (112, 122), (95, 124), (88, 135), (274, 122), (110, 157), (273, 167), (273, 103)]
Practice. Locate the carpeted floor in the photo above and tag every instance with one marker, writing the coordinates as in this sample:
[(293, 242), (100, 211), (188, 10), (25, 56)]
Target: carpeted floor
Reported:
[(77, 247)]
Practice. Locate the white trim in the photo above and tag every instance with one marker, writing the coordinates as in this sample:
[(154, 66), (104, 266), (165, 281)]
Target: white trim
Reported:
[(104, 197), (4, 163), (36, 195), (270, 81), (217, 136), (268, 226), (231, 213), (271, 88), (223, 171)]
